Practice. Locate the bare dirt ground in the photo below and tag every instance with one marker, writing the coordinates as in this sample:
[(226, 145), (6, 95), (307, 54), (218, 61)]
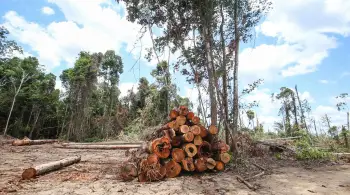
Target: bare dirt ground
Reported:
[(97, 174)]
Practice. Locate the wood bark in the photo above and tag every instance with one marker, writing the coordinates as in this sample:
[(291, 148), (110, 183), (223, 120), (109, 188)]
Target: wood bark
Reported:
[(190, 149), (204, 131), (195, 129), (25, 142), (99, 147), (200, 164), (178, 155), (204, 150), (187, 164), (301, 109), (52, 166)]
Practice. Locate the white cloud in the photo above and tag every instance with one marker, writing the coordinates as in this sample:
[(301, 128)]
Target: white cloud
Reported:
[(337, 118), (324, 81), (344, 74), (307, 96), (88, 27), (47, 10), (300, 28), (125, 87)]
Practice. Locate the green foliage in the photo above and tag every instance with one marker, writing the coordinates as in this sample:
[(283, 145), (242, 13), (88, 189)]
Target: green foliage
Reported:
[(305, 151)]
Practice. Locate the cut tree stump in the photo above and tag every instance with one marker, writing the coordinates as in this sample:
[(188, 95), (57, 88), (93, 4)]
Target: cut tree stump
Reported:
[(190, 149), (220, 166), (184, 129), (197, 140), (173, 169), (210, 163), (200, 164), (196, 120), (25, 142), (99, 147), (180, 120), (188, 137), (178, 155), (213, 129), (52, 166), (195, 129), (204, 150), (187, 164)]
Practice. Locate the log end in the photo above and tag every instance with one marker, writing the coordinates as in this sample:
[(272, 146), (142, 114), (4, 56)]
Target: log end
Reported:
[(188, 137), (196, 130), (196, 120), (220, 166), (190, 150), (178, 154), (29, 173), (173, 169), (213, 130), (210, 163)]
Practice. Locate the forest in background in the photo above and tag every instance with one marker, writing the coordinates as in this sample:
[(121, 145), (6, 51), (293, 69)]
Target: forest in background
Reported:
[(207, 34)]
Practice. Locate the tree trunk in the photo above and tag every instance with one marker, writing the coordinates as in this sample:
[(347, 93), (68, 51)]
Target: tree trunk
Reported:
[(178, 155), (52, 166), (13, 102), (34, 125), (100, 147), (220, 166), (235, 76), (26, 142), (328, 122), (200, 164), (173, 169), (295, 110), (301, 109), (315, 128), (195, 129), (213, 130), (348, 120)]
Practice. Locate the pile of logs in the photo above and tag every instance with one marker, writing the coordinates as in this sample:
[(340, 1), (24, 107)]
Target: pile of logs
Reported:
[(185, 146)]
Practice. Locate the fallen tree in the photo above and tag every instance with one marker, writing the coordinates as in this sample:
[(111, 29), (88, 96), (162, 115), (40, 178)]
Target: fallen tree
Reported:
[(25, 142), (100, 147), (52, 166)]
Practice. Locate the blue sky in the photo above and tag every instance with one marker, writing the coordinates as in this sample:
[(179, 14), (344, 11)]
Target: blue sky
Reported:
[(303, 42)]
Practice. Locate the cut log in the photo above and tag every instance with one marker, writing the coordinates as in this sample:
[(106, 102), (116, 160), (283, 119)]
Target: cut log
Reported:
[(187, 164), (99, 147), (223, 157), (172, 125), (177, 141), (195, 129), (173, 114), (173, 169), (180, 120), (183, 110), (161, 147), (25, 142), (171, 133), (210, 163), (128, 172), (204, 131), (102, 143), (190, 149), (188, 137), (213, 129), (204, 150), (200, 164), (196, 120), (220, 166), (250, 186), (184, 129), (52, 166), (197, 140), (190, 115), (220, 147), (155, 172), (178, 155), (152, 159)]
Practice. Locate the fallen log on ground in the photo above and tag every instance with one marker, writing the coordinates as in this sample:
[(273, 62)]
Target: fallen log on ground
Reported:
[(99, 147), (102, 143), (25, 142), (52, 166), (249, 185)]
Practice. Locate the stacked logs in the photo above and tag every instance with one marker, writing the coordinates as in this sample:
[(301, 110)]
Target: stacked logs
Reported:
[(186, 146)]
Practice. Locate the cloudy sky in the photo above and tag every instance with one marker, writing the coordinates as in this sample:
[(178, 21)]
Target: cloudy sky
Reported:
[(300, 42)]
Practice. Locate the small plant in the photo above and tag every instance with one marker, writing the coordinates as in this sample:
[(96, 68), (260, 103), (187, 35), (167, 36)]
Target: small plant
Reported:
[(278, 156)]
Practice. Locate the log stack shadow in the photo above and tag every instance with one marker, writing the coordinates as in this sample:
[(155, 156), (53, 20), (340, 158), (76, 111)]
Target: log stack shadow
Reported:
[(185, 146)]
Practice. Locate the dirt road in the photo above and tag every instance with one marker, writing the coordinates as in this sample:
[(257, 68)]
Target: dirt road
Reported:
[(97, 174)]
